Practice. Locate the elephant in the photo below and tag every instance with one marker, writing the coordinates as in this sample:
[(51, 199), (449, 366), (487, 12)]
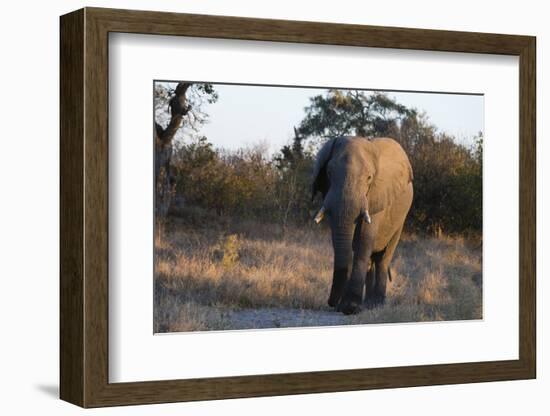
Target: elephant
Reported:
[(367, 189)]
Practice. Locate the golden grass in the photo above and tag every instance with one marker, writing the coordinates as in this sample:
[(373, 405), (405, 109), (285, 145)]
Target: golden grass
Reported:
[(205, 276)]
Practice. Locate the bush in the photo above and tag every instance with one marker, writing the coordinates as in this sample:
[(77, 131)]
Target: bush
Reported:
[(230, 183), (447, 180), (248, 183)]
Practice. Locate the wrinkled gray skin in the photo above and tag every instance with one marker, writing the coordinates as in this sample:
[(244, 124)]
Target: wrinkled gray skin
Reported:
[(357, 176)]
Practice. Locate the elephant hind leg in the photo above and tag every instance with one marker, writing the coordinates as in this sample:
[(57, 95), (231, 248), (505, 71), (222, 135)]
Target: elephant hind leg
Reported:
[(370, 278)]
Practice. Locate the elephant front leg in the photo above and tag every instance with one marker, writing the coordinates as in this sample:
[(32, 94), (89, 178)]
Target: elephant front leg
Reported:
[(353, 297), (339, 279)]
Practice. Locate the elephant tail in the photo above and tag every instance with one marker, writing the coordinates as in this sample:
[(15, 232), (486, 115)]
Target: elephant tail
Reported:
[(389, 273)]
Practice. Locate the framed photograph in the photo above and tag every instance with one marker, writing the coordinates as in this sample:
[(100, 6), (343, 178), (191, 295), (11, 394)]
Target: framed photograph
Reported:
[(255, 207)]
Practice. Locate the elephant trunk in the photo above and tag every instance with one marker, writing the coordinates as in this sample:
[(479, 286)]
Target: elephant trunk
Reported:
[(342, 238), (344, 211)]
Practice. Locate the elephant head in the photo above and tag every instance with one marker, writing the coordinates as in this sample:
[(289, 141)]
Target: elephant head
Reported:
[(346, 173), (359, 179)]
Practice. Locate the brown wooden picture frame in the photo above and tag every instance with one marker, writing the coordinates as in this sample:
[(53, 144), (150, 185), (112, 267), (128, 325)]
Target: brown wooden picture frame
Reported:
[(84, 207)]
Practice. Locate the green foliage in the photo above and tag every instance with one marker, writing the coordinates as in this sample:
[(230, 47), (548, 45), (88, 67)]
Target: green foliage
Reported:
[(447, 183), (351, 112)]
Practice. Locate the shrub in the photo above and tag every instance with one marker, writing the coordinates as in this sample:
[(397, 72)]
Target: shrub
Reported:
[(248, 183), (229, 183)]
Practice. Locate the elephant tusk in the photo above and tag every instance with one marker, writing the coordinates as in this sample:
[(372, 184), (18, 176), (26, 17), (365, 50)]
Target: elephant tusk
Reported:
[(320, 215), (366, 216)]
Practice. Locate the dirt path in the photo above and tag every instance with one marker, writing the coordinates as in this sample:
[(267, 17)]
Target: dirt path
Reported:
[(283, 318)]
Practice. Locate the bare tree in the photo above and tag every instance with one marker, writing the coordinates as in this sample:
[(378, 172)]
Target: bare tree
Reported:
[(184, 105), (164, 136)]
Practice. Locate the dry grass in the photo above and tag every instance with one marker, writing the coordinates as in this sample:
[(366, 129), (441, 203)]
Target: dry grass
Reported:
[(223, 278)]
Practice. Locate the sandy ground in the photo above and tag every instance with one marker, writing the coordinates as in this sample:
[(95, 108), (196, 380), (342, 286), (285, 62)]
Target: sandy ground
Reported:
[(283, 318)]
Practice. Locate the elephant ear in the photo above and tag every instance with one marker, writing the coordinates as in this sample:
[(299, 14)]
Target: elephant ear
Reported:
[(319, 180), (393, 174)]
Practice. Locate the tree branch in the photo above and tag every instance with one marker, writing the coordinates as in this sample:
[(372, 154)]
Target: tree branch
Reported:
[(178, 109)]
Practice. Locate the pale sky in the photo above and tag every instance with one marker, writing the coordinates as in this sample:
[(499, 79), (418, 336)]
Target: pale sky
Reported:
[(246, 115)]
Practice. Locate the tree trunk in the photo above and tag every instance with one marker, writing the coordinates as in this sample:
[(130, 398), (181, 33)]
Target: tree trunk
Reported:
[(164, 188), (164, 182)]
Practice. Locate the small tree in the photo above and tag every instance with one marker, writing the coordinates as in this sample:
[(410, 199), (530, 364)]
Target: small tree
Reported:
[(293, 190)]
